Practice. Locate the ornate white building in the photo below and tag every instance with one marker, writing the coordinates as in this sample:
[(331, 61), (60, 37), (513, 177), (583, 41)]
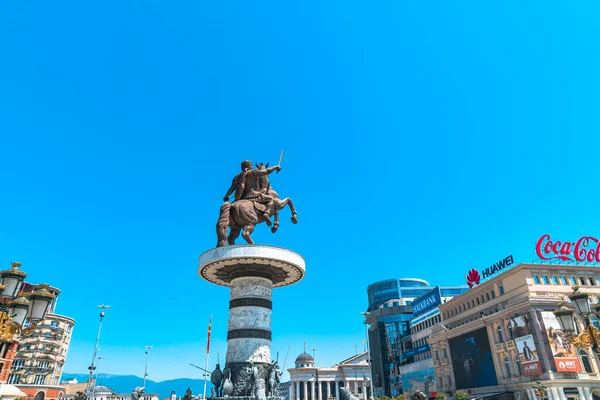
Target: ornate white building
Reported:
[(311, 383)]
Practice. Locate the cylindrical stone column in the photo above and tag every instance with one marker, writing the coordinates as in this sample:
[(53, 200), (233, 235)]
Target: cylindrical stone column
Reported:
[(249, 328)]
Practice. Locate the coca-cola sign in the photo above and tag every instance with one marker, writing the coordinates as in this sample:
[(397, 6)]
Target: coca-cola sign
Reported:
[(586, 249)]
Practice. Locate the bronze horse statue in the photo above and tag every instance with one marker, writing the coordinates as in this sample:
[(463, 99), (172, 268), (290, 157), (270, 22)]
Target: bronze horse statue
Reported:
[(243, 215)]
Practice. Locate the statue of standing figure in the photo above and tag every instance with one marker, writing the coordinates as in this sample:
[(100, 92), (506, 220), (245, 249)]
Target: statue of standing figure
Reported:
[(188, 394), (216, 378), (254, 202), (274, 379)]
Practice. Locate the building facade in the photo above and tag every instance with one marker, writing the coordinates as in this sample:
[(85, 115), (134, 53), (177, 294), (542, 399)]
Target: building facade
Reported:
[(388, 315), (39, 360), (310, 383), (501, 337)]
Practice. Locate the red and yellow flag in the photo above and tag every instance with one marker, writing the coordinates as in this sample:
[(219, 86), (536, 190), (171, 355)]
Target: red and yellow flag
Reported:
[(209, 329)]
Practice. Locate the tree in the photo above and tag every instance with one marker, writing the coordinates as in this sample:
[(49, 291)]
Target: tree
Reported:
[(461, 395), (400, 397), (441, 396)]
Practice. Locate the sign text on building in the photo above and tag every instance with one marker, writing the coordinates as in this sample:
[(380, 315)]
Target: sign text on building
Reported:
[(586, 249), (426, 302), (474, 277)]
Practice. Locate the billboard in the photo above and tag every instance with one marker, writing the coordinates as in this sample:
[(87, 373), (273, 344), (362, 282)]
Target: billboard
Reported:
[(525, 343), (563, 351), (528, 356), (472, 360), (426, 302)]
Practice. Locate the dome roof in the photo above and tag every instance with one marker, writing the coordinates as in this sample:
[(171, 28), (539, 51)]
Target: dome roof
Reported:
[(305, 358), (102, 389)]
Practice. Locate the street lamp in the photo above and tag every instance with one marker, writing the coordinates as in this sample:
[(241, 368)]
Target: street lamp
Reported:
[(540, 389), (20, 312), (366, 315), (92, 367), (146, 370), (590, 337)]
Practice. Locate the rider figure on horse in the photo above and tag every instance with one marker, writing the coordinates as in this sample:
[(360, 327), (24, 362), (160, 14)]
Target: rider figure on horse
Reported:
[(245, 184)]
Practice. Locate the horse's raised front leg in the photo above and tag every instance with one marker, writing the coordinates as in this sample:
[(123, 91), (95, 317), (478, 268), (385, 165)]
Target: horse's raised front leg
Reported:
[(248, 229), (288, 201)]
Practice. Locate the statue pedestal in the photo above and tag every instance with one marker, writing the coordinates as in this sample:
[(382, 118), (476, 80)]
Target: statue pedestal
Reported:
[(251, 272)]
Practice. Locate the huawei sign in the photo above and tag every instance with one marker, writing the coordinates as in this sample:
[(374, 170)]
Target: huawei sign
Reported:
[(473, 278), (587, 248)]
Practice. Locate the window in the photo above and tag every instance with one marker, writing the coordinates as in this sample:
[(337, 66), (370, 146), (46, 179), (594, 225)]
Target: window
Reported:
[(54, 325), (488, 295), (18, 364), (502, 289), (583, 282), (39, 380), (500, 337), (440, 383), (448, 380), (545, 280), (444, 354), (563, 279), (482, 299), (493, 294), (554, 280), (592, 281), (507, 367), (478, 301), (13, 379), (510, 331), (536, 279), (437, 355), (573, 281), (594, 322), (43, 365), (586, 362), (518, 363)]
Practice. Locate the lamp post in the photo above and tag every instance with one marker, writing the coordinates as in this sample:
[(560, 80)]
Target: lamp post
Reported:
[(92, 367), (20, 312), (590, 337), (146, 370), (96, 378), (316, 384), (366, 315), (540, 389)]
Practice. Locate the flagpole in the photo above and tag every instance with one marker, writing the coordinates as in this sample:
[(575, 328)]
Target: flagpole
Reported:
[(207, 351)]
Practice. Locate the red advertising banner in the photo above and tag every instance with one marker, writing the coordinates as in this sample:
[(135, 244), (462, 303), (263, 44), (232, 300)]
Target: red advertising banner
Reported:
[(564, 364), (531, 368)]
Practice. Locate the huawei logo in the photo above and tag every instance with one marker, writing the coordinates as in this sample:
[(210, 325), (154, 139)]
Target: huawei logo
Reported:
[(473, 278)]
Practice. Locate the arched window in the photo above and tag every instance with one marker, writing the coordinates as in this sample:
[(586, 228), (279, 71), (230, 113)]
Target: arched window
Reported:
[(518, 363), (594, 322), (585, 360), (511, 334), (507, 366), (500, 337)]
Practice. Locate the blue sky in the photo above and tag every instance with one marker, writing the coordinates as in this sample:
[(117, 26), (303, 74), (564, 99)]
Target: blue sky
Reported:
[(421, 140)]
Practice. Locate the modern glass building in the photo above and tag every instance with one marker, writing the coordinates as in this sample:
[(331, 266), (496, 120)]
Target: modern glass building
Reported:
[(389, 313)]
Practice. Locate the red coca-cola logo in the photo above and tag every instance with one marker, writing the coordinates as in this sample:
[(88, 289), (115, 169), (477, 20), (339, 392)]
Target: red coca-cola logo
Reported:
[(586, 249), (473, 278)]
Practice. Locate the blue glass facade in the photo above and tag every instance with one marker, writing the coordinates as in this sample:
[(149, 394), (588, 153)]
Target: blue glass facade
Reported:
[(389, 335)]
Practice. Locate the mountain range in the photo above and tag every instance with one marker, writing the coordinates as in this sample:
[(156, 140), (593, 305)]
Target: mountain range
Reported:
[(126, 383)]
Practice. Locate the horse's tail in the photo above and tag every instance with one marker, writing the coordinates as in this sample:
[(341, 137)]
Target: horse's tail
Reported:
[(223, 223)]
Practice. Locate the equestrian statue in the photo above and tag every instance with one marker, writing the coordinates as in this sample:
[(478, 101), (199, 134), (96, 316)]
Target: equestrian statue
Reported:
[(254, 202)]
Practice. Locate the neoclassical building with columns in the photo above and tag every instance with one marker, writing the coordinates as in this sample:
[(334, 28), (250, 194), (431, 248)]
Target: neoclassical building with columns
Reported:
[(311, 383)]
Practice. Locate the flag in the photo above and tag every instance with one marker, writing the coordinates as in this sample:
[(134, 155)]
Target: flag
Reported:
[(209, 329)]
